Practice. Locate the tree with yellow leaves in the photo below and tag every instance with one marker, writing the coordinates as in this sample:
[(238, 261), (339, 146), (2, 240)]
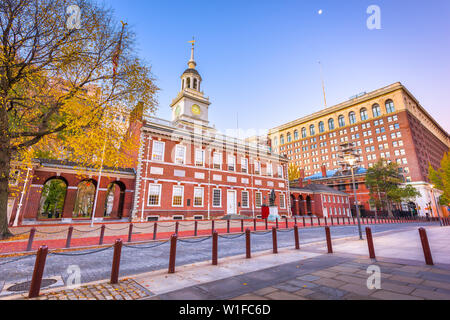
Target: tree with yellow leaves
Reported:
[(441, 178), (63, 83), (293, 172)]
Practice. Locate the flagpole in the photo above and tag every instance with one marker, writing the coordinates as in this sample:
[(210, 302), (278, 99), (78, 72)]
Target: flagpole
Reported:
[(115, 64)]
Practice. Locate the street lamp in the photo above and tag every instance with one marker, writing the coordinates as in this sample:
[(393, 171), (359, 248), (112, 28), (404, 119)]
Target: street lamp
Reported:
[(350, 159)]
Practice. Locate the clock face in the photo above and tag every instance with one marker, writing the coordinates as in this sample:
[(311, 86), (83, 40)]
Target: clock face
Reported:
[(196, 110), (177, 111)]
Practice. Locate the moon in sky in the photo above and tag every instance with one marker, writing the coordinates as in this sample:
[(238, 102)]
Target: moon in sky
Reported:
[(320, 11)]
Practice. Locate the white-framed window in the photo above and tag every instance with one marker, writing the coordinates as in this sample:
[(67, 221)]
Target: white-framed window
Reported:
[(231, 163), (244, 165), (258, 199), (152, 218), (198, 197), (269, 169), (180, 154), (177, 196), (257, 165), (217, 160), (154, 195), (178, 217), (198, 217), (282, 201), (199, 157), (158, 151), (244, 196), (280, 171), (217, 198)]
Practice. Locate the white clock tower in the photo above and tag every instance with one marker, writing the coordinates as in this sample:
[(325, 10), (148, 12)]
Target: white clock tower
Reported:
[(191, 106)]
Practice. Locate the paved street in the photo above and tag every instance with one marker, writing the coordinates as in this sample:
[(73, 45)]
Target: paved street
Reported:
[(138, 259)]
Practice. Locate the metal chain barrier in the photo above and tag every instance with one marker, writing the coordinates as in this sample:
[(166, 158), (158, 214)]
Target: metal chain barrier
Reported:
[(146, 247), (19, 234), (165, 226), (143, 228), (80, 254), (15, 260), (232, 237), (86, 231), (186, 225), (194, 241), (120, 229), (51, 232), (261, 233), (285, 230)]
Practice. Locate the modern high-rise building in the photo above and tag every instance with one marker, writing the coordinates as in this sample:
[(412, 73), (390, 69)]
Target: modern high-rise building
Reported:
[(387, 123)]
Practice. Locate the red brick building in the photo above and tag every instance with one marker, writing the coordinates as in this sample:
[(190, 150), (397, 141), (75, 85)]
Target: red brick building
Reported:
[(319, 200), (78, 188), (387, 123), (189, 170)]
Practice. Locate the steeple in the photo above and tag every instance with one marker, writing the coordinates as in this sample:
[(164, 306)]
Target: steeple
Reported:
[(191, 62), (191, 106)]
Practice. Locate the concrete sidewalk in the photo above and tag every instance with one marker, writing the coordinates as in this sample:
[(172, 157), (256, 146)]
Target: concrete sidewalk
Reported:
[(306, 274)]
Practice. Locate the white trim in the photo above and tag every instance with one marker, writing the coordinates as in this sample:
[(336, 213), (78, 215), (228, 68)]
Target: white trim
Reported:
[(159, 198), (203, 198), (242, 199), (182, 196), (220, 193)]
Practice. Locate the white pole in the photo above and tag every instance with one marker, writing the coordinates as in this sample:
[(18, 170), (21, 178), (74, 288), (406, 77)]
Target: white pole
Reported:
[(16, 218), (98, 184)]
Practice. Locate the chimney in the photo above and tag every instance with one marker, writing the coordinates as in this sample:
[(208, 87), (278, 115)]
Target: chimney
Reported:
[(324, 171)]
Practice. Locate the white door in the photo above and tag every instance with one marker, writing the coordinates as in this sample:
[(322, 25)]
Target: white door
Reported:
[(231, 202)]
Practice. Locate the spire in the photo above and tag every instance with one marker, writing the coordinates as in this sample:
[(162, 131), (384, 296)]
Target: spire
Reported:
[(191, 62)]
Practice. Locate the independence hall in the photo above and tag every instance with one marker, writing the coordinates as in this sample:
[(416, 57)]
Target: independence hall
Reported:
[(387, 123), (187, 170)]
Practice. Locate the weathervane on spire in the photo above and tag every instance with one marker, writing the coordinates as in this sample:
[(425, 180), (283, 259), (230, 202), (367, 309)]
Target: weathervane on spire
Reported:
[(191, 62)]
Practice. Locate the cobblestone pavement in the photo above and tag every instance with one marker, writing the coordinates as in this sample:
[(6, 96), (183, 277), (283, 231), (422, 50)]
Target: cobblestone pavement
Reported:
[(126, 289), (336, 277), (138, 259)]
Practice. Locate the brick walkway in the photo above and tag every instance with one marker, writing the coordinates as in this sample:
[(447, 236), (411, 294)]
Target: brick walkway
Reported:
[(126, 289), (348, 281)]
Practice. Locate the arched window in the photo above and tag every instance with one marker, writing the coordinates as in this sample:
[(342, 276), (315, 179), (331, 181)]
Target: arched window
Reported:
[(390, 106), (341, 121), (52, 199), (352, 117), (331, 124), (364, 115), (296, 135), (303, 132), (289, 137), (84, 204), (312, 130), (275, 141), (195, 84), (321, 127), (188, 82), (376, 110), (114, 200), (281, 139)]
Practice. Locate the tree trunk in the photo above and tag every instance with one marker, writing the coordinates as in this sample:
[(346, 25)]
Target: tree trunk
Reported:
[(5, 158), (389, 207)]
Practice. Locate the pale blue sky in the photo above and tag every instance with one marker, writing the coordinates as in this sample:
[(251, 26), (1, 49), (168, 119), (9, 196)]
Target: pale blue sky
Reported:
[(259, 58)]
